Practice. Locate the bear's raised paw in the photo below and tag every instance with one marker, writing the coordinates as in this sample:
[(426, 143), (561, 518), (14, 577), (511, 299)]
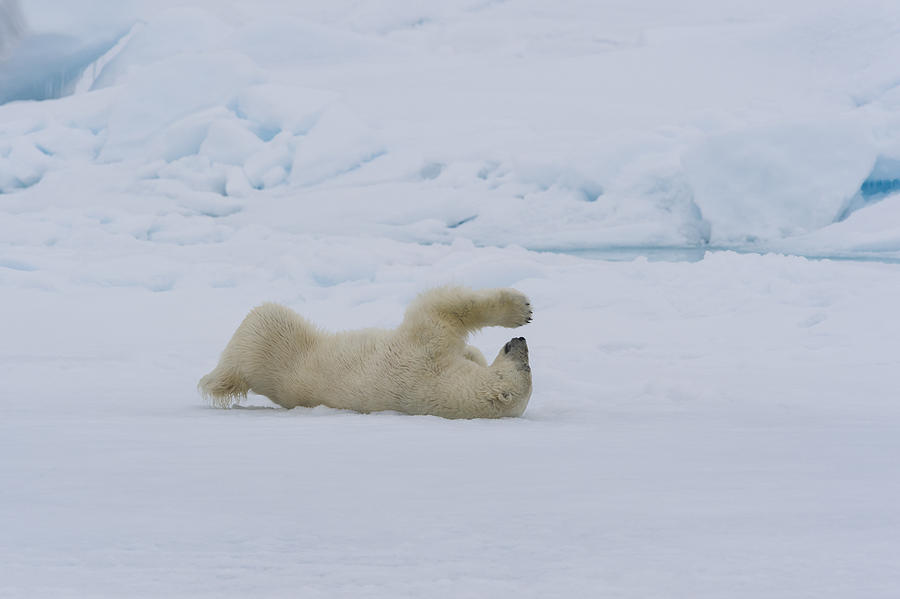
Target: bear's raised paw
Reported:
[(515, 308)]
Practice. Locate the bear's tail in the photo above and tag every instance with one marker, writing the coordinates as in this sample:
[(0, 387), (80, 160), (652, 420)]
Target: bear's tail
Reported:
[(223, 387)]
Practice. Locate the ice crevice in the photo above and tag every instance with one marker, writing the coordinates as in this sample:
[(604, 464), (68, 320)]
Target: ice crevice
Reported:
[(883, 181), (51, 65)]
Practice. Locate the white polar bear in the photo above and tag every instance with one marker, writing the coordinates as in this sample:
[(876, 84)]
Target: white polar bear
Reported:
[(422, 367)]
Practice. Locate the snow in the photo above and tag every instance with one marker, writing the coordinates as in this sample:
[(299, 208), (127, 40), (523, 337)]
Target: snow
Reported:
[(758, 184), (772, 122), (725, 427), (714, 412)]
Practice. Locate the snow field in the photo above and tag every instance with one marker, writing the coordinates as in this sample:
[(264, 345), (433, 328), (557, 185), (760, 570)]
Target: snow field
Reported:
[(717, 428)]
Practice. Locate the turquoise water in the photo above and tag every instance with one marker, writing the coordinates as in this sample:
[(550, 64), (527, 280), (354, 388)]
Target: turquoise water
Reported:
[(696, 253), (627, 254)]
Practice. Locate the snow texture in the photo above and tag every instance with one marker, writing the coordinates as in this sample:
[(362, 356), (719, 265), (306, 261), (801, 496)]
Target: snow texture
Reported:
[(774, 125), (715, 406)]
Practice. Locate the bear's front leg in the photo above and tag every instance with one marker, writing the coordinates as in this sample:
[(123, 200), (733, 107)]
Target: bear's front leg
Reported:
[(501, 307), (465, 310)]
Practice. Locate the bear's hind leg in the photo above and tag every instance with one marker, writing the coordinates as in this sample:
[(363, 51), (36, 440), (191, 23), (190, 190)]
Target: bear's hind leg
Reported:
[(223, 387)]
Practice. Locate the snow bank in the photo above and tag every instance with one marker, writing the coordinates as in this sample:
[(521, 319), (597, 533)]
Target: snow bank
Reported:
[(777, 181), (712, 125), (168, 96), (169, 33)]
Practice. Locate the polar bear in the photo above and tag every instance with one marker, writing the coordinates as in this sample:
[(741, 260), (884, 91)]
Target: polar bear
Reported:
[(422, 367)]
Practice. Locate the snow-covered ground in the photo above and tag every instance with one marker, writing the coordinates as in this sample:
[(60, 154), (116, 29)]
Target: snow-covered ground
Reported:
[(715, 427)]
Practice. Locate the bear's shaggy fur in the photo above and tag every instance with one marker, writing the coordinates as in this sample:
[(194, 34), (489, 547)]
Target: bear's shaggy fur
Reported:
[(422, 367)]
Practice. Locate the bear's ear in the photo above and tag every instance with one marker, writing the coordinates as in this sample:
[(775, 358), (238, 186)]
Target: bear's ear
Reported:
[(499, 399)]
